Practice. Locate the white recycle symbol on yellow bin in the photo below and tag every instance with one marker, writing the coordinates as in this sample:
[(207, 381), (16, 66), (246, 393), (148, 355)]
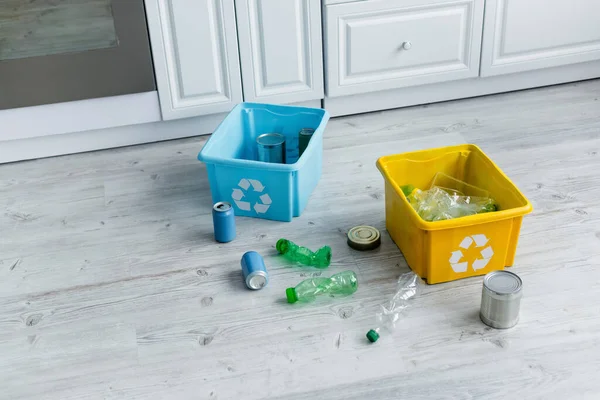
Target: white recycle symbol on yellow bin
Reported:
[(240, 192), (486, 253)]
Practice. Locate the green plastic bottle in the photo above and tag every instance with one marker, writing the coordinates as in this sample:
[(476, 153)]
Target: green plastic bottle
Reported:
[(342, 284), (320, 259)]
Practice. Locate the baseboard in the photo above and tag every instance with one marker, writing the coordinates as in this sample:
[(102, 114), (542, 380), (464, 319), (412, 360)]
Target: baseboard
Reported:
[(49, 145), (77, 142), (308, 103), (78, 116), (424, 94)]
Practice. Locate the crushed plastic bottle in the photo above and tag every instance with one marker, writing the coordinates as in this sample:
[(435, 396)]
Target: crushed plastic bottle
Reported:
[(408, 287), (437, 204), (341, 284), (320, 259)]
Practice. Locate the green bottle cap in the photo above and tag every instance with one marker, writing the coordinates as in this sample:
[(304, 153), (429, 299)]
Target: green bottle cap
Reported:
[(407, 189), (282, 246), (291, 295), (372, 336)]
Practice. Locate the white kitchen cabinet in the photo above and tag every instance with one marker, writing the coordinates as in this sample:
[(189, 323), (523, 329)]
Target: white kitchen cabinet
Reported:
[(280, 50), (523, 35), (387, 44), (195, 53)]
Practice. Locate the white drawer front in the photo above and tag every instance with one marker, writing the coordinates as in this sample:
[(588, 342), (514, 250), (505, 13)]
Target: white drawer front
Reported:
[(522, 35), (379, 45)]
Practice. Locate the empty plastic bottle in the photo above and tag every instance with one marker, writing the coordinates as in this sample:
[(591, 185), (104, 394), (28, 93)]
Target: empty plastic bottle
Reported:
[(438, 204), (320, 259), (407, 288), (342, 284)]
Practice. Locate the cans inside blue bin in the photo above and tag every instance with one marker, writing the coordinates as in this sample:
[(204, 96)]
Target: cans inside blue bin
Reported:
[(258, 189)]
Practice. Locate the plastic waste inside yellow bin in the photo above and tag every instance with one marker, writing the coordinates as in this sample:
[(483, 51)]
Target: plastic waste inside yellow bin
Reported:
[(443, 251)]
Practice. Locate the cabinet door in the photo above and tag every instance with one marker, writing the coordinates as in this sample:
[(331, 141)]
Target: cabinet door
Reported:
[(388, 44), (194, 46), (280, 50), (522, 35)]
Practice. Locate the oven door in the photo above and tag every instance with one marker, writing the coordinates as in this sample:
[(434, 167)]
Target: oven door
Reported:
[(54, 51)]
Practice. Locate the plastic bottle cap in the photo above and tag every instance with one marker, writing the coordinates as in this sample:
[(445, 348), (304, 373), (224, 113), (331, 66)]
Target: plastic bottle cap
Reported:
[(291, 295), (364, 238), (372, 336), (407, 189), (282, 246)]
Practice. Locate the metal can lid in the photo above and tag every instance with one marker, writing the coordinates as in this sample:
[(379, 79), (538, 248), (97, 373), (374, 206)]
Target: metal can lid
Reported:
[(503, 282), (364, 238), (256, 280), (306, 132), (270, 139), (222, 206)]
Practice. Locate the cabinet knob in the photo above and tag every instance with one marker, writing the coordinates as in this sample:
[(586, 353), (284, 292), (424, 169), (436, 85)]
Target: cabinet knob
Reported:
[(407, 45)]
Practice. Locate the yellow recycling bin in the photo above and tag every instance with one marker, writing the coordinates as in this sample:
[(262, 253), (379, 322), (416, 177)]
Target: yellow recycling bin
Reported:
[(443, 251)]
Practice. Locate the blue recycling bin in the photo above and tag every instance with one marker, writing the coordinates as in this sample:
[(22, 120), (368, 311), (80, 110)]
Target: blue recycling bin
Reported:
[(257, 189)]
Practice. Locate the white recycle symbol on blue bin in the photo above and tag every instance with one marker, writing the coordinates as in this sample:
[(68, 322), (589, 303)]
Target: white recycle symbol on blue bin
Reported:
[(486, 253), (240, 192)]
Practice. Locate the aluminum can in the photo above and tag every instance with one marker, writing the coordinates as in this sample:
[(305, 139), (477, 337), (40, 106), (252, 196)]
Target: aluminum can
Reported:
[(255, 272), (271, 148), (501, 299), (223, 222)]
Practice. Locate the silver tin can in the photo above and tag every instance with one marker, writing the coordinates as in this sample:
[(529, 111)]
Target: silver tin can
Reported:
[(271, 148), (501, 299)]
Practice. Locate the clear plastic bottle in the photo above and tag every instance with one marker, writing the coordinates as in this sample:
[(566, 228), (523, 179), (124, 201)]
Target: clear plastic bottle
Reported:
[(438, 204), (341, 284), (320, 258), (390, 312)]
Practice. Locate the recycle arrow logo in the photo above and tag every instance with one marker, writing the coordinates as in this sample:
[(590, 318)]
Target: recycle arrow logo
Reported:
[(257, 187), (486, 253)]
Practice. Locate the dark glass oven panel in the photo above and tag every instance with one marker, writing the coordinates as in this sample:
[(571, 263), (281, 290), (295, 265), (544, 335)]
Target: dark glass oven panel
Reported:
[(110, 57)]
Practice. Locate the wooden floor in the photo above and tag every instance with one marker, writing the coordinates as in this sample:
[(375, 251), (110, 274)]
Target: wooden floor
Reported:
[(111, 286)]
